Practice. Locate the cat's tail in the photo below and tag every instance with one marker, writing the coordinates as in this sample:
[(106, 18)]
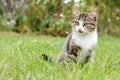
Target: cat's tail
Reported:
[(48, 58)]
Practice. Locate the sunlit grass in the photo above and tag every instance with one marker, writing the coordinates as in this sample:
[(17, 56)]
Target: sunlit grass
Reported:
[(20, 59)]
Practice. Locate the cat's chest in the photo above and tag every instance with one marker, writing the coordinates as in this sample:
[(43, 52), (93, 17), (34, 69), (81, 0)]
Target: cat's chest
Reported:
[(85, 42)]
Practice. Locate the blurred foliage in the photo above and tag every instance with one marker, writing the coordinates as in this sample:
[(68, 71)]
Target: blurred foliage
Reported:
[(52, 16)]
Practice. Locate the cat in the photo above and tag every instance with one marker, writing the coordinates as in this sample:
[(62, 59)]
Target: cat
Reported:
[(80, 43)]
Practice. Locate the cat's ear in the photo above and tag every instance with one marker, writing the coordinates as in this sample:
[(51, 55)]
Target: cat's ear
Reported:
[(94, 13), (75, 11)]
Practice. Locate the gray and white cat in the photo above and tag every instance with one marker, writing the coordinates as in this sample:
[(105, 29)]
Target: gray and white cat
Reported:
[(80, 43)]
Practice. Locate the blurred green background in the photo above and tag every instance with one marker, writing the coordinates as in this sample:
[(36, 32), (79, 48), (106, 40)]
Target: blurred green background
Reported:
[(51, 17)]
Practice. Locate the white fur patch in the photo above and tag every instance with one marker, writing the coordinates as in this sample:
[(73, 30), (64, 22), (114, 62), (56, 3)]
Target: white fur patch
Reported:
[(86, 42)]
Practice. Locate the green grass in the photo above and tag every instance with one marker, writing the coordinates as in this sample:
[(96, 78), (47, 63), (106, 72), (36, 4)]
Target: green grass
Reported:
[(20, 59)]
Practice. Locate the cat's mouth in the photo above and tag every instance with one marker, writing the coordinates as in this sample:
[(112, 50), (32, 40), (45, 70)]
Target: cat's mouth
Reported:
[(81, 32)]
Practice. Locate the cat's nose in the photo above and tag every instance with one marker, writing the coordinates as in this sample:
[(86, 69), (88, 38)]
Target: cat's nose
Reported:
[(80, 31)]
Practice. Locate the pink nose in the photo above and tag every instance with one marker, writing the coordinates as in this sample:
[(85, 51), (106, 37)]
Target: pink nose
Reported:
[(80, 31)]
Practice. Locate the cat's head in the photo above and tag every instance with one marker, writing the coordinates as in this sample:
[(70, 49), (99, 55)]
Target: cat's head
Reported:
[(84, 22)]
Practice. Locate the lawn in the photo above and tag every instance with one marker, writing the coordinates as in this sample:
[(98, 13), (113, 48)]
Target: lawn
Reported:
[(20, 59)]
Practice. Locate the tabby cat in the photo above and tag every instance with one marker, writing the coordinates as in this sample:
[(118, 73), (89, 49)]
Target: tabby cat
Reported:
[(80, 43)]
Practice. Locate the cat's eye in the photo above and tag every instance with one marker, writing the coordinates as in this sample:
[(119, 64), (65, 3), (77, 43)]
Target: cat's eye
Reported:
[(88, 24), (76, 22), (84, 24)]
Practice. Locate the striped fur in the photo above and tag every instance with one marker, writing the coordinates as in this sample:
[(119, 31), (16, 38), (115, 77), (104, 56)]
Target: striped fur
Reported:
[(80, 43)]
